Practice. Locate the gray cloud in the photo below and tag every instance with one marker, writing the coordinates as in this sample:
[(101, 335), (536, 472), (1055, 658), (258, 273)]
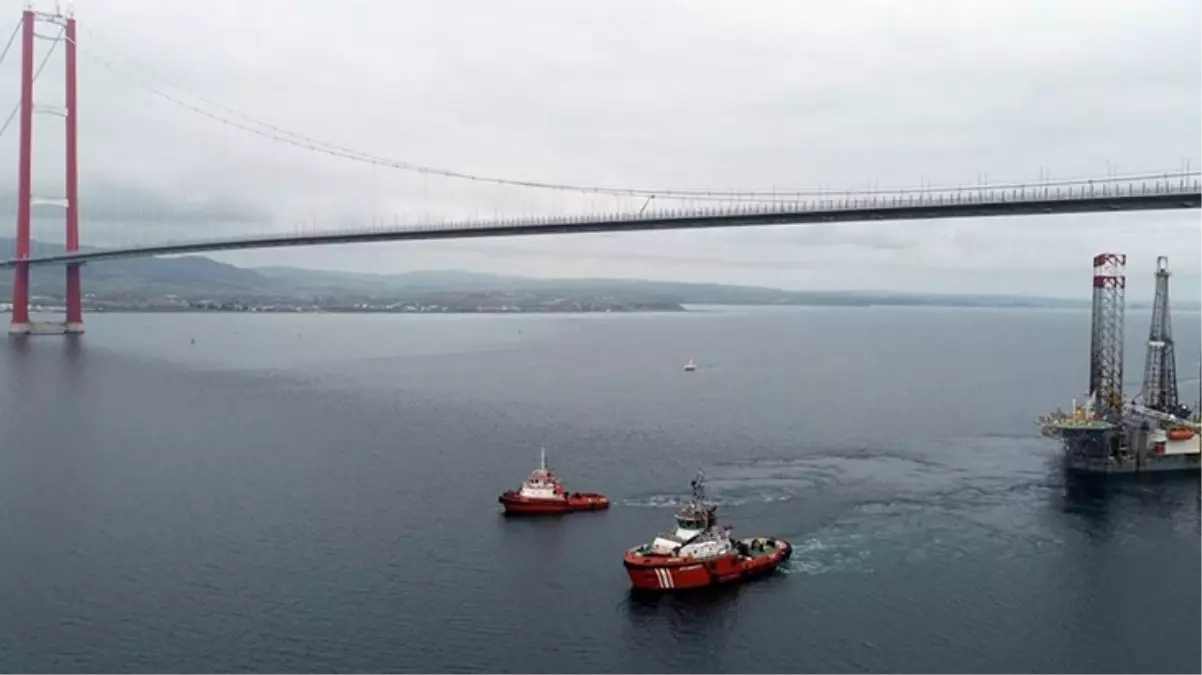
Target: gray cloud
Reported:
[(122, 204), (669, 94)]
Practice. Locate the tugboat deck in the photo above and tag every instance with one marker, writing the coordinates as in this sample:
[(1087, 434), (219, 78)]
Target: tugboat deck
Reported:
[(759, 547)]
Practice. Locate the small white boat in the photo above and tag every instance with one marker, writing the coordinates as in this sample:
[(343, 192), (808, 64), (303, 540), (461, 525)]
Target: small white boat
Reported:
[(690, 366)]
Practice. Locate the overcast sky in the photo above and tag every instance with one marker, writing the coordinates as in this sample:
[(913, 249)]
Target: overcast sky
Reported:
[(658, 94)]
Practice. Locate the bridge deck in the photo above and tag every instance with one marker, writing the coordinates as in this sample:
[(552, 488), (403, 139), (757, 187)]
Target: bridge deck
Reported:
[(951, 205)]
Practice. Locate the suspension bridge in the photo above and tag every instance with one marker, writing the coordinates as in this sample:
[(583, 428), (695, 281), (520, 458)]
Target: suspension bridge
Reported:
[(638, 209)]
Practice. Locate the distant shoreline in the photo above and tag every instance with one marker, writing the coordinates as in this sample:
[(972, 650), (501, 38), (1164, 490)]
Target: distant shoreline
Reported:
[(695, 308), (334, 310), (569, 306), (192, 283)]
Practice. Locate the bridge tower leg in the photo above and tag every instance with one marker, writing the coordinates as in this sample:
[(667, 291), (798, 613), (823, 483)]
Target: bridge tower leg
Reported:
[(20, 309), (74, 322)]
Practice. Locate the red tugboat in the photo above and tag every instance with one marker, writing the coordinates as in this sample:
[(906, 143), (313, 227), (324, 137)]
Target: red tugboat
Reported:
[(700, 553), (542, 493)]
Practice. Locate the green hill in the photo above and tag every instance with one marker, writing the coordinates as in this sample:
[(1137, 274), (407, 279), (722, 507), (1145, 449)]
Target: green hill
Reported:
[(199, 277)]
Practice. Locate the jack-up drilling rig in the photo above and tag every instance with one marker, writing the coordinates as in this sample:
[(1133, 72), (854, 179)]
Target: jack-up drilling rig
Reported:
[(1110, 434)]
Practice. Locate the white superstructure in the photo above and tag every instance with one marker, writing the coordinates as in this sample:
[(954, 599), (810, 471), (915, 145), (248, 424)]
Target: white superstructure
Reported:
[(697, 533), (542, 483)]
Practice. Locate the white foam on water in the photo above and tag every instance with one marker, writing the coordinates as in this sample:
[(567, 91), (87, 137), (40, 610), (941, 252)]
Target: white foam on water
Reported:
[(815, 556), (676, 501)]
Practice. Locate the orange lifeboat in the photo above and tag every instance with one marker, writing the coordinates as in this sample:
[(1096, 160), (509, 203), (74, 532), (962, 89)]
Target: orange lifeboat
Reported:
[(1180, 434)]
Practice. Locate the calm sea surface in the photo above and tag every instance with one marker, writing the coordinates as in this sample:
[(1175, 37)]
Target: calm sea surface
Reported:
[(318, 493)]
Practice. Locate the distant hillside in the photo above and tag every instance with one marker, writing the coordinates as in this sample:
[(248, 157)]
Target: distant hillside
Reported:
[(199, 277), (637, 289), (139, 277)]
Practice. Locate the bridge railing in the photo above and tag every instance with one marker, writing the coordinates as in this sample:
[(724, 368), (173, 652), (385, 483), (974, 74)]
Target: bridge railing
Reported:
[(784, 205)]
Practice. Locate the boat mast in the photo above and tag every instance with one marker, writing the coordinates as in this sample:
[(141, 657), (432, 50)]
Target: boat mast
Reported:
[(699, 487), (542, 459)]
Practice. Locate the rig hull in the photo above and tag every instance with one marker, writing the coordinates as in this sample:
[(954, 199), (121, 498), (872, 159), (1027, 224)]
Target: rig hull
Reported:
[(1144, 463), (1128, 448)]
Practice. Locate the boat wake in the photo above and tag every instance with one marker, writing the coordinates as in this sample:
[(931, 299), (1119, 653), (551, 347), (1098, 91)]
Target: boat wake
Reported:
[(754, 481), (872, 507), (666, 501), (820, 556)]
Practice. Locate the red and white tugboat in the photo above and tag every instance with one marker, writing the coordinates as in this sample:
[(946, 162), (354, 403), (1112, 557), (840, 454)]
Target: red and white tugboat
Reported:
[(700, 552), (542, 493)]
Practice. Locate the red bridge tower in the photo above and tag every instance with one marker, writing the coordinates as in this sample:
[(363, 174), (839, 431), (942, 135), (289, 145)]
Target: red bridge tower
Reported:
[(20, 311)]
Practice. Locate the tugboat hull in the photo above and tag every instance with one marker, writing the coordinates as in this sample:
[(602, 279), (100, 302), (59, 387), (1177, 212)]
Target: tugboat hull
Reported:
[(516, 504), (663, 573)]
